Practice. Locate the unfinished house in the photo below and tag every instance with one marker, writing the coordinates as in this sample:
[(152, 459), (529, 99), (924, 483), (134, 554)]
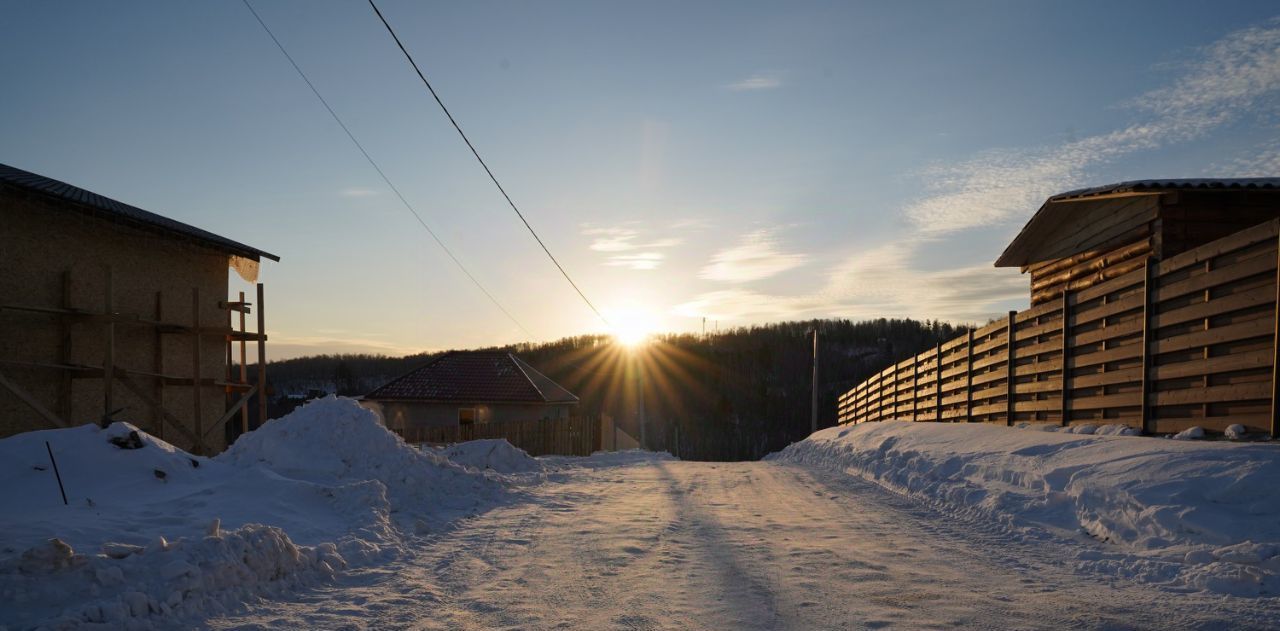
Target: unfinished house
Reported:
[(110, 312), (463, 388), (1153, 305)]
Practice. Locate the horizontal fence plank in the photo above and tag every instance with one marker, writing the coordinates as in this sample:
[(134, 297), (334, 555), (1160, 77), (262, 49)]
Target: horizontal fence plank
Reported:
[(1214, 394), (1205, 339), (1231, 243)]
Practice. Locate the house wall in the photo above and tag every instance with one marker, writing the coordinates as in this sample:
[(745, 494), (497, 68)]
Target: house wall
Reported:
[(41, 240), (1096, 241), (402, 415)]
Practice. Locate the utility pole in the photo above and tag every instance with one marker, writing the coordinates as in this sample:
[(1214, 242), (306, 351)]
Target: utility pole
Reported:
[(813, 411)]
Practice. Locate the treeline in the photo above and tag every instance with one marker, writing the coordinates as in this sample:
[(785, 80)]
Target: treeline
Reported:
[(732, 395)]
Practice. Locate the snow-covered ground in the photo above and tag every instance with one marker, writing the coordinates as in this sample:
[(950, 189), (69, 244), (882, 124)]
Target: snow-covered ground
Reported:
[(153, 535), (1185, 515), (323, 519)]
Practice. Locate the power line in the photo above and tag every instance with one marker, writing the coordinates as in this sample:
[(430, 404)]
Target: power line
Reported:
[(482, 163), (384, 177)]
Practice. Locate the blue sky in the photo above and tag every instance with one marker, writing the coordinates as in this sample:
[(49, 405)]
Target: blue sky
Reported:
[(740, 161)]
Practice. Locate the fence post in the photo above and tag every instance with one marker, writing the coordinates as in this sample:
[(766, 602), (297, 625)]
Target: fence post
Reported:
[(1147, 289), (937, 384), (915, 386), (1009, 361), (1066, 355), (968, 376), (1275, 354)]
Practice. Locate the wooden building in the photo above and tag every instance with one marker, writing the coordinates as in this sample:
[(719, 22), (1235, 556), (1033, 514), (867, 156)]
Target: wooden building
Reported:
[(108, 311), (470, 387), (1153, 305), (1080, 238)]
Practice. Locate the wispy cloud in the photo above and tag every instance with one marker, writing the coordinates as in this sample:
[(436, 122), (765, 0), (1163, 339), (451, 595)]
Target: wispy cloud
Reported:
[(755, 257), (1233, 76), (627, 248), (356, 191), (877, 283), (637, 261), (758, 81), (1264, 161)]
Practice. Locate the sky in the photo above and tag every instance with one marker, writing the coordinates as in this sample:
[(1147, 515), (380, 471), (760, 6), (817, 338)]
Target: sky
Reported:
[(739, 162)]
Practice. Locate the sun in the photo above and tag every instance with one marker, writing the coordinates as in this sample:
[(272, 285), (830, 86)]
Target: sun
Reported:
[(632, 327)]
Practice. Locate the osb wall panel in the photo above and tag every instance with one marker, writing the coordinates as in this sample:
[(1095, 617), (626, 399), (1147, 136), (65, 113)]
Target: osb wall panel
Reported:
[(41, 240)]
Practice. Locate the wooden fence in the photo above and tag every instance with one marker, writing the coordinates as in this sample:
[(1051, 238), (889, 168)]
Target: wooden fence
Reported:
[(575, 436), (1190, 340)]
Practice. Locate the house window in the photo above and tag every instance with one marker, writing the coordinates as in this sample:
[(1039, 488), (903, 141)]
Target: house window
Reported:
[(467, 416)]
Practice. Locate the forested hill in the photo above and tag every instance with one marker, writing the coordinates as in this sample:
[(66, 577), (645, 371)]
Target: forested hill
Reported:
[(737, 394)]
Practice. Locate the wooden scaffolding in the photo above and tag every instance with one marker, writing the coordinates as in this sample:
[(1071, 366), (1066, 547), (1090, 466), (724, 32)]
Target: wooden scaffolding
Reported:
[(149, 386)]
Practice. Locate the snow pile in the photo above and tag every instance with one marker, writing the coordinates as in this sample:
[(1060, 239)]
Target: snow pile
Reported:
[(1187, 515), (152, 535), (494, 454), (334, 441)]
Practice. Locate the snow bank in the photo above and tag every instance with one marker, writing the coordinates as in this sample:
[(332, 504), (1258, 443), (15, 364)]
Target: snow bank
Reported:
[(1184, 514), (334, 441), (153, 534), (494, 454)]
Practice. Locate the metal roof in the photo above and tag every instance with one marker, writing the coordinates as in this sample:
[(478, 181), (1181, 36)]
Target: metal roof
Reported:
[(474, 377), (120, 212), (1037, 227), (1133, 186)]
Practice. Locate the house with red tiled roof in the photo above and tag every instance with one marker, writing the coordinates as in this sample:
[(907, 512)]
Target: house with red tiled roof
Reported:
[(470, 387)]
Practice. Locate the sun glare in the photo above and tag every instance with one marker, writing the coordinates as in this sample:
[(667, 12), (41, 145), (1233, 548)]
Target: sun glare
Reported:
[(631, 328)]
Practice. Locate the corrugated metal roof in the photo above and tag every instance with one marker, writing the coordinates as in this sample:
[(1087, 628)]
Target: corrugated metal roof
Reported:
[(121, 212), (1171, 185), (474, 377)]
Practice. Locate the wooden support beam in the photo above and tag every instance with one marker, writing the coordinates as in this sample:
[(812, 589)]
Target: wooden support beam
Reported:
[(915, 386), (1010, 357), (129, 384), (158, 365), (1066, 363), (244, 370), (1148, 336), (232, 411), (31, 402), (1275, 355), (195, 371), (968, 378), (262, 359), (109, 354), (63, 404), (937, 384)]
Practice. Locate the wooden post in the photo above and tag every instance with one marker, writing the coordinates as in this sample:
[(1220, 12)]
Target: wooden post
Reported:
[(968, 379), (63, 406), (198, 421), (1275, 355), (937, 384), (1066, 357), (244, 370), (1148, 286), (109, 352), (157, 416), (1009, 357), (915, 386), (262, 358)]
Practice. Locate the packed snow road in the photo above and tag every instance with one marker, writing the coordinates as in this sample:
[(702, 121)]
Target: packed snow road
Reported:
[(686, 545)]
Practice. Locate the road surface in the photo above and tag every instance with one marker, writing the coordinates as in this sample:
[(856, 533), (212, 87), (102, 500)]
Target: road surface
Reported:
[(686, 545)]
